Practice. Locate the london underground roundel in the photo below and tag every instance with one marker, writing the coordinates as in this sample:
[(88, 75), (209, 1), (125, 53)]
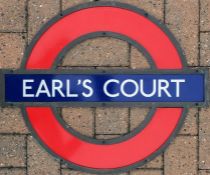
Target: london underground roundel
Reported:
[(169, 88)]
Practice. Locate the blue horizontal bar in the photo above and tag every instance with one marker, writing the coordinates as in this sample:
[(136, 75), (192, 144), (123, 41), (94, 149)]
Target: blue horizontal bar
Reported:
[(105, 88)]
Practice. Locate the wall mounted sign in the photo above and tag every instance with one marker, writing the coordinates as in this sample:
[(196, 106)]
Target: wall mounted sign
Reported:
[(169, 88)]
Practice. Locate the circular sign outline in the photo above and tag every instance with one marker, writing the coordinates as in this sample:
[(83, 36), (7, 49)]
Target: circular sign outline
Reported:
[(122, 169)]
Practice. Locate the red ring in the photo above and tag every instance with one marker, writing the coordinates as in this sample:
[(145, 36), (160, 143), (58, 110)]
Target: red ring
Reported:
[(164, 55)]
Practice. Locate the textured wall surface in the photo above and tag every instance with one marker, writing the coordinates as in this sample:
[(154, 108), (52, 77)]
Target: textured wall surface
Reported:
[(189, 20)]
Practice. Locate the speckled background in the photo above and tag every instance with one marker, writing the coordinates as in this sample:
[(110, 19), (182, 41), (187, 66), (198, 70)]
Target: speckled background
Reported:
[(189, 20)]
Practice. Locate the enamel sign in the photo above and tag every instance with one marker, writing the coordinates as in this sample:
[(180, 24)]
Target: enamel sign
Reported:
[(169, 88)]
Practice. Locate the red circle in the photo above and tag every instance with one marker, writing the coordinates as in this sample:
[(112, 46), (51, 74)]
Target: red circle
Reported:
[(138, 28)]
